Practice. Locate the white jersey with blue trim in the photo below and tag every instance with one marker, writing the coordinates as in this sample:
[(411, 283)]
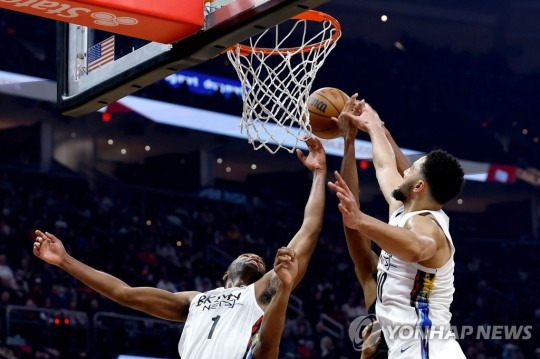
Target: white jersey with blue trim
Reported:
[(219, 323), (413, 301)]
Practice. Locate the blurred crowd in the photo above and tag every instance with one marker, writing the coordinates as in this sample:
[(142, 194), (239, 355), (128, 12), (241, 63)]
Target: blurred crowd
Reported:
[(152, 238)]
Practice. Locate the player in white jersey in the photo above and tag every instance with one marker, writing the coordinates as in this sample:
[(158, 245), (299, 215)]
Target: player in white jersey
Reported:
[(415, 271), (359, 246), (218, 322)]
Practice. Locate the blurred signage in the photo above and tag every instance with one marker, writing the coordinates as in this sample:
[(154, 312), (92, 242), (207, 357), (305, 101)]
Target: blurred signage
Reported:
[(164, 21), (203, 84), (220, 123), (502, 173)]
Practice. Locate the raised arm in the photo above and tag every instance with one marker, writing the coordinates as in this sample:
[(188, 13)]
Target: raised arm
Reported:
[(416, 242), (359, 246), (305, 240), (156, 302), (384, 158), (402, 162), (286, 269)]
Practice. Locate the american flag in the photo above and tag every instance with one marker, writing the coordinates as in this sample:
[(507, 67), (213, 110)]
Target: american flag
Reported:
[(100, 54)]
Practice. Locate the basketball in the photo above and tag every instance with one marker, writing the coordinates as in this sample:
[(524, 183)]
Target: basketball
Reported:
[(323, 104)]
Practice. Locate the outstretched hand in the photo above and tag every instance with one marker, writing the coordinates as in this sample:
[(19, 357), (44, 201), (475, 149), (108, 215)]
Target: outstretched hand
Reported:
[(49, 248), (352, 107), (347, 202), (364, 120), (286, 266), (316, 160), (371, 340)]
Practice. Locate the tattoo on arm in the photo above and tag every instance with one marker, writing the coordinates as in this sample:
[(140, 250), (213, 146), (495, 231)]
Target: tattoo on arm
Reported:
[(270, 290)]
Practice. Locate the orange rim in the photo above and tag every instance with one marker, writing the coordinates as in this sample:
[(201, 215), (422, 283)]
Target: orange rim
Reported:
[(310, 15)]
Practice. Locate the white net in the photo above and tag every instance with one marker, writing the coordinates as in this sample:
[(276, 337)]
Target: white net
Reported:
[(276, 80)]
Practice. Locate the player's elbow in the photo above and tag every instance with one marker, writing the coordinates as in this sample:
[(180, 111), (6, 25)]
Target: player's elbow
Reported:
[(124, 296)]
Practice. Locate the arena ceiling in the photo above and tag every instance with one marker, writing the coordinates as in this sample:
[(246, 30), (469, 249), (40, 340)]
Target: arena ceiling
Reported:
[(508, 27)]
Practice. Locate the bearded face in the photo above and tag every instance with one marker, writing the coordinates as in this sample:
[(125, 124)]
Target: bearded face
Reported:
[(243, 270), (247, 266), (403, 192)]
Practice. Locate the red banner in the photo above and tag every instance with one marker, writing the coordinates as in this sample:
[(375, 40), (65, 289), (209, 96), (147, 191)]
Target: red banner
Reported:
[(502, 173), (163, 21)]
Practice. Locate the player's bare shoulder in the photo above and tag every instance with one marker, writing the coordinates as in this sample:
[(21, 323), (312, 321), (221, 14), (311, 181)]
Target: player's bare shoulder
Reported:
[(440, 237), (426, 224)]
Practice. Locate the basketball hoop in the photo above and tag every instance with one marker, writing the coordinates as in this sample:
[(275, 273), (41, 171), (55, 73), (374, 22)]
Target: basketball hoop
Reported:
[(276, 78)]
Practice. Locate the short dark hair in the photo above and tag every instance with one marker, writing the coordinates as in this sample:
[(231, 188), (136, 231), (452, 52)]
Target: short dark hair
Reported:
[(444, 175)]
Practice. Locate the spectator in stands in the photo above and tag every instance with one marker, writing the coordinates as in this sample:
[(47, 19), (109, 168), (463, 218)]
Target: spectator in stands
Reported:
[(512, 351), (352, 309), (327, 348), (5, 300), (300, 326), (7, 279), (165, 284)]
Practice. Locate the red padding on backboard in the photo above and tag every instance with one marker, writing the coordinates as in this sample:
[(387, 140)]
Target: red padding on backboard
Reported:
[(164, 21)]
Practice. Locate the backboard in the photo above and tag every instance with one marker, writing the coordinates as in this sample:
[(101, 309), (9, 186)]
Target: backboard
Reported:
[(97, 68)]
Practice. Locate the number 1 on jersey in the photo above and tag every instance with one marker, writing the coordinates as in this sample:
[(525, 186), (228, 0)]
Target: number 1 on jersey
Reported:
[(215, 320)]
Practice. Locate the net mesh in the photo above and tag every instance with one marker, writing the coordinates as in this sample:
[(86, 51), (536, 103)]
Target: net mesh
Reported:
[(277, 79)]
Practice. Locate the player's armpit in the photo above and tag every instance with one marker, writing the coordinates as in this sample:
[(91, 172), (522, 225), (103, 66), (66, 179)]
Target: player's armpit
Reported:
[(265, 288)]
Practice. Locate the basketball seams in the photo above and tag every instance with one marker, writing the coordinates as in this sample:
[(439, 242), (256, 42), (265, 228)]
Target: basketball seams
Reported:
[(320, 98), (330, 133), (321, 121), (330, 103), (344, 97), (316, 119), (325, 129)]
